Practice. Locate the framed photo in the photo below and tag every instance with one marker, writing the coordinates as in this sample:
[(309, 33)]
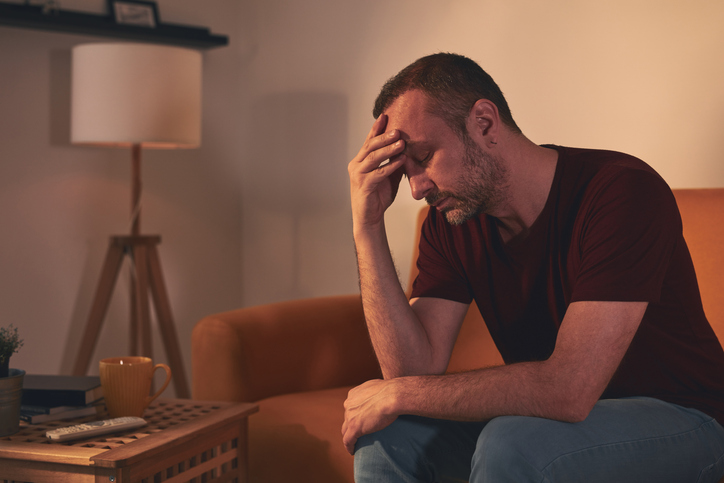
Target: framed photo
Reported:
[(134, 12)]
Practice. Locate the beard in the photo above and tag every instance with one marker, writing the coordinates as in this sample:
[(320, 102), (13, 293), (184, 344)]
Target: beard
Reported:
[(481, 186)]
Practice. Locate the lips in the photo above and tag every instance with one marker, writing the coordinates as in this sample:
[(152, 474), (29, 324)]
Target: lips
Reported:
[(441, 203), (433, 200)]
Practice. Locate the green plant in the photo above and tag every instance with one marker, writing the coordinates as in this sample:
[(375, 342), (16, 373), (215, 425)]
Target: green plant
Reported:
[(9, 345)]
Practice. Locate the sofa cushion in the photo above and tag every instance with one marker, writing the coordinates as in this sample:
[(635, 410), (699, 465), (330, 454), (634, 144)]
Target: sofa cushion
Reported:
[(302, 431)]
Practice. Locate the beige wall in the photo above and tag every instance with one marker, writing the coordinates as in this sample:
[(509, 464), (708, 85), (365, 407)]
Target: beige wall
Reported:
[(260, 212)]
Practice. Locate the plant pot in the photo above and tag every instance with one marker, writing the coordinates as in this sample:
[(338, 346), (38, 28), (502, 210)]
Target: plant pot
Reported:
[(11, 394)]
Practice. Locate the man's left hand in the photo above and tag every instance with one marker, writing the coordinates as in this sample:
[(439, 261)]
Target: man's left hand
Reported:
[(368, 408)]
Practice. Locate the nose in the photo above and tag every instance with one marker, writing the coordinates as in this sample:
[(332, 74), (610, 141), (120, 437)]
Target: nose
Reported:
[(420, 183)]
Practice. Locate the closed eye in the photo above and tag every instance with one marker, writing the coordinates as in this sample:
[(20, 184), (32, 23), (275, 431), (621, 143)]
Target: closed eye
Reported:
[(425, 160)]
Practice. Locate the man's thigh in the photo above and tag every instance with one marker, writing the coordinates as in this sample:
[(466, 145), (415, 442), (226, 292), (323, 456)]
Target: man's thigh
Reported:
[(635, 439)]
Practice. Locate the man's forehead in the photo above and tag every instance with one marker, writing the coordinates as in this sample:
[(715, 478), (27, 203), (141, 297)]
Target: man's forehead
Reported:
[(409, 113), (410, 106)]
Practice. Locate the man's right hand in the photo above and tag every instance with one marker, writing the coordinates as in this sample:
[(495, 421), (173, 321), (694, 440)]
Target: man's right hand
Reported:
[(373, 187)]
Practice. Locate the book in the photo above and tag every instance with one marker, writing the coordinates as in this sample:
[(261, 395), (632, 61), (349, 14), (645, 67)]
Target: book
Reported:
[(34, 409), (51, 391), (34, 417)]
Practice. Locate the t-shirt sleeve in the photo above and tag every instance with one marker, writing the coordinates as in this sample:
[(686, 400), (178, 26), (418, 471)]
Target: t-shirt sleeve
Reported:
[(440, 272), (629, 225)]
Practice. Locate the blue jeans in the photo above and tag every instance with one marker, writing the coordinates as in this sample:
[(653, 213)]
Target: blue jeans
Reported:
[(623, 440)]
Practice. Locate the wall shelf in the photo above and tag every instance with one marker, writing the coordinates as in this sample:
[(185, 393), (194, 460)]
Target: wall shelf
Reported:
[(32, 17)]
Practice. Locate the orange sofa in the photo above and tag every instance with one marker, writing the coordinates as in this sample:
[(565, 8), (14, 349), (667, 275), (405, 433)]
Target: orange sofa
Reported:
[(298, 359)]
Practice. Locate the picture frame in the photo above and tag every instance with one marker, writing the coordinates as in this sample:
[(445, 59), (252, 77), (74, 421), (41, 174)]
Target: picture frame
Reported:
[(138, 13)]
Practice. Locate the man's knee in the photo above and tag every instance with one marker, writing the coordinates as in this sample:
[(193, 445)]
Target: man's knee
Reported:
[(393, 453), (506, 451)]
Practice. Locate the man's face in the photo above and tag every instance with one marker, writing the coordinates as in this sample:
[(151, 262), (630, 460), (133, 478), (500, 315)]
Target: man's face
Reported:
[(454, 175), (480, 186)]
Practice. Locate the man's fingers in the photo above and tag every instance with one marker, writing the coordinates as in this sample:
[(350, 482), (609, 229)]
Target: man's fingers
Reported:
[(347, 439), (386, 169), (389, 143), (378, 127), (378, 156), (349, 442)]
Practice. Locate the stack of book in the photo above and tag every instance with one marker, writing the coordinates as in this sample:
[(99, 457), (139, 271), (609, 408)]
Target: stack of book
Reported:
[(50, 398)]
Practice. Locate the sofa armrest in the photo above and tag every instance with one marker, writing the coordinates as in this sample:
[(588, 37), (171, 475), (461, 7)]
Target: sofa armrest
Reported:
[(258, 352)]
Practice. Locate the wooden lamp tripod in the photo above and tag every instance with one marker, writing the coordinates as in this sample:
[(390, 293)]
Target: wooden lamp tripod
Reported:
[(136, 95)]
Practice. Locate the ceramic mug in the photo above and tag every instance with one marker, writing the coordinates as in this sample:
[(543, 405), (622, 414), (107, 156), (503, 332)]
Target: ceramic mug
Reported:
[(126, 383)]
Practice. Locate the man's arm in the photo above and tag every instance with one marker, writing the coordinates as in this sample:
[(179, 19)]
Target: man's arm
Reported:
[(405, 342), (592, 340)]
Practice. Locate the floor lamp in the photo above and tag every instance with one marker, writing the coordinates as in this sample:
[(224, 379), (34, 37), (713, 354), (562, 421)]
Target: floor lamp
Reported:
[(135, 96)]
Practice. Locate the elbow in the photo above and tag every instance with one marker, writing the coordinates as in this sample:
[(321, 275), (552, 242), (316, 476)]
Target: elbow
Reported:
[(569, 400), (576, 407), (413, 370), (577, 414), (421, 365), (571, 413), (572, 394)]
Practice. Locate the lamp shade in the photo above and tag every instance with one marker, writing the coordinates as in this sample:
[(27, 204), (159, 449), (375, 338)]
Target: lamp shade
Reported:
[(126, 93)]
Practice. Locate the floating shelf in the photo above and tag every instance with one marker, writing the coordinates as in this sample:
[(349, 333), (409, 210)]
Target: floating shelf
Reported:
[(32, 17)]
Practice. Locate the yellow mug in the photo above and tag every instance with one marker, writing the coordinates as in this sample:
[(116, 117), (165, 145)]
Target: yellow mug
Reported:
[(126, 383)]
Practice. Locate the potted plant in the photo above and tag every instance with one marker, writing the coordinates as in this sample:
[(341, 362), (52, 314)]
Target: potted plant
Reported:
[(11, 382)]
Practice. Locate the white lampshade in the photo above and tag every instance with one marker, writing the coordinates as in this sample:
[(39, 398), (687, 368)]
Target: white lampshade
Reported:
[(125, 94)]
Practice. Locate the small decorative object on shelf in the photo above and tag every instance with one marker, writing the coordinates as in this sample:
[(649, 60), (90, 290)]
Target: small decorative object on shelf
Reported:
[(11, 382), (134, 12), (51, 7)]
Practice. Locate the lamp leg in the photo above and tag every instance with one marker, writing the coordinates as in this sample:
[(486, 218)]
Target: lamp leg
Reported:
[(133, 319), (165, 322), (106, 284), (143, 313)]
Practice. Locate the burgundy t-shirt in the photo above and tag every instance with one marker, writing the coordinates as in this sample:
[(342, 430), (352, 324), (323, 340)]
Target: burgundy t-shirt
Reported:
[(610, 231)]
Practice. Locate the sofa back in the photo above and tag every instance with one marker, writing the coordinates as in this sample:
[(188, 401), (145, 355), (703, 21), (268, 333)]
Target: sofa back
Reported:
[(702, 212)]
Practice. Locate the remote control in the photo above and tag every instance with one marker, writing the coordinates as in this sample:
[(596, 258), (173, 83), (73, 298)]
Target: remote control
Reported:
[(95, 428)]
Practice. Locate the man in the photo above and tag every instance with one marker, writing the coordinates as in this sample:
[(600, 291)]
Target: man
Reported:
[(577, 262)]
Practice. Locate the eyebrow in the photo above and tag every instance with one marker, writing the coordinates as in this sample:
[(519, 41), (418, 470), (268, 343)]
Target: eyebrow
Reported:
[(410, 144), (413, 148)]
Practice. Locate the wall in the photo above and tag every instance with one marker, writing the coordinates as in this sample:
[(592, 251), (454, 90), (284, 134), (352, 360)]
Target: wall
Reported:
[(260, 212)]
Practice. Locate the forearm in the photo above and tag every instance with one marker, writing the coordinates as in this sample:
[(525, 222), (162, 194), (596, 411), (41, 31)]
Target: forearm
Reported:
[(590, 345), (398, 337), (523, 389)]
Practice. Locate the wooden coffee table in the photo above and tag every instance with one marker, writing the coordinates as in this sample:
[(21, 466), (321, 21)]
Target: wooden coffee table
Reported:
[(184, 440)]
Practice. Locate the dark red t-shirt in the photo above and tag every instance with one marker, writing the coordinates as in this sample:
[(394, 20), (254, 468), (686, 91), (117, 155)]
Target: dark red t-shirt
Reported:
[(610, 231)]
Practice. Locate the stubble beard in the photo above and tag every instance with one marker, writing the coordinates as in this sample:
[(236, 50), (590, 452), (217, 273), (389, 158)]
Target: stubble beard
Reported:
[(481, 186)]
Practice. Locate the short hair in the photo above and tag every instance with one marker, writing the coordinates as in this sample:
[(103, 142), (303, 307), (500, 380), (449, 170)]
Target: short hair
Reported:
[(453, 84)]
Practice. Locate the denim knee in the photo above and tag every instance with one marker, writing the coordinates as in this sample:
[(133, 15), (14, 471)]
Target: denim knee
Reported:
[(392, 454), (417, 449), (504, 453)]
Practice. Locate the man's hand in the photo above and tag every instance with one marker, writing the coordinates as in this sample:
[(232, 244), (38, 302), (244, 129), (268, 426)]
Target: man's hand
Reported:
[(373, 187), (368, 408)]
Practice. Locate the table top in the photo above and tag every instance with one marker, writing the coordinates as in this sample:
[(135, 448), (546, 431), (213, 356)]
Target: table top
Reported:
[(171, 423)]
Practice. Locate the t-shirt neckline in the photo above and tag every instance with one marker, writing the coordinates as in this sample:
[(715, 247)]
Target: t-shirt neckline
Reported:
[(521, 243)]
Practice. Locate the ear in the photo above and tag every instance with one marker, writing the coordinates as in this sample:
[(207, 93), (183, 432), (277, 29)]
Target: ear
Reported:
[(484, 122)]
